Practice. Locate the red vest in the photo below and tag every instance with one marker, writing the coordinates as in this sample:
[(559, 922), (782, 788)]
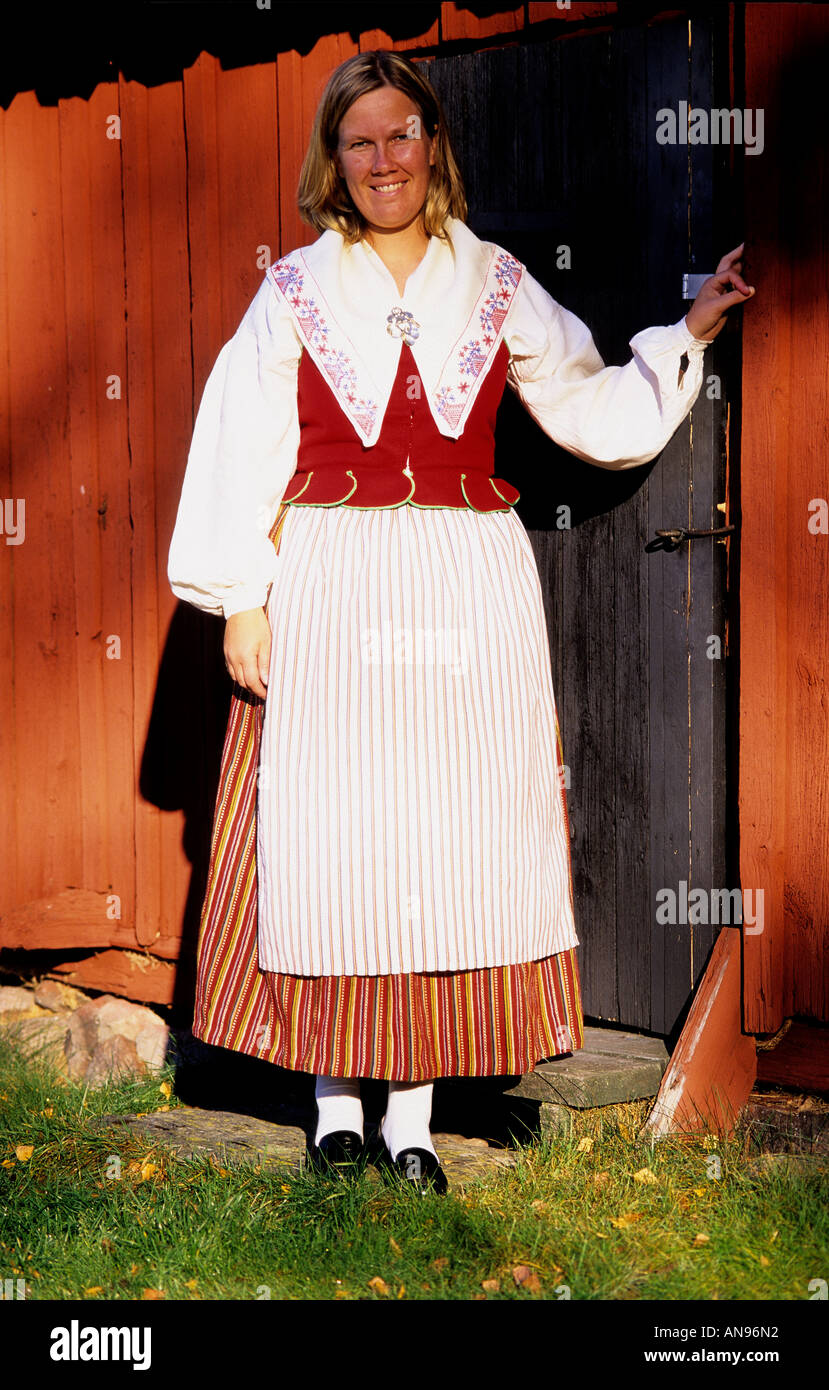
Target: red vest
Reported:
[(334, 467)]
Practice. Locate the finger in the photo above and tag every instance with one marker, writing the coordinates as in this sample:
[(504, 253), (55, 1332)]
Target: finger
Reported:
[(735, 281), (252, 681), (731, 256)]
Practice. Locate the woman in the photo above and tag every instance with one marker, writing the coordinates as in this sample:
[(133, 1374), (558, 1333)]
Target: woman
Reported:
[(391, 896)]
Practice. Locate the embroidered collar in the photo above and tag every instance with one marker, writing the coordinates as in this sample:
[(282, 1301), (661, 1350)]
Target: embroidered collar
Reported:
[(460, 294)]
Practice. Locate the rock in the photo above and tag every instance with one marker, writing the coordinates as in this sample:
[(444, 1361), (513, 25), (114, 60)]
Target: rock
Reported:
[(59, 998), (99, 1020), (115, 1057), (41, 1037), (788, 1165), (17, 1002)]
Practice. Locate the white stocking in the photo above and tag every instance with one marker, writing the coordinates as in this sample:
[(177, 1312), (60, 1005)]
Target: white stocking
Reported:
[(338, 1105), (405, 1124)]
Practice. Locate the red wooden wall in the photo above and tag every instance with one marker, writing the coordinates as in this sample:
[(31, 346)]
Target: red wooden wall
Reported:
[(125, 263), (135, 258)]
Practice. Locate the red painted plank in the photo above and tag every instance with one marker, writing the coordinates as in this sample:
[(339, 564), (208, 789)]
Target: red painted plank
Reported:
[(577, 11), (98, 467), (300, 84), (800, 1059), (457, 22), (784, 638), (160, 426), (714, 1064), (10, 876), (378, 38), (41, 705)]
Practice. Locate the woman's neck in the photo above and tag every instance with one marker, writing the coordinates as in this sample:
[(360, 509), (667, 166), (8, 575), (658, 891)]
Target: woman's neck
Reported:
[(400, 251)]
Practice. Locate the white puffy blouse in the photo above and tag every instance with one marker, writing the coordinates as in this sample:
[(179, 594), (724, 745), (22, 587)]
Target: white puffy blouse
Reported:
[(332, 299)]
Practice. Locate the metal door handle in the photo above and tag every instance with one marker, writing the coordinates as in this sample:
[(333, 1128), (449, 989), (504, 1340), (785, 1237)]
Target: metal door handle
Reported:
[(673, 539)]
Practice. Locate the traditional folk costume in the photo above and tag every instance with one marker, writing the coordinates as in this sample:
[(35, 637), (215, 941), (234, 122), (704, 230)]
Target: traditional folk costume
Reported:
[(390, 891)]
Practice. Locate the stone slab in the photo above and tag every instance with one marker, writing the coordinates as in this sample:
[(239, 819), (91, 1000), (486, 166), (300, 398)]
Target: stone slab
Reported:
[(621, 1044), (587, 1079), (233, 1139)]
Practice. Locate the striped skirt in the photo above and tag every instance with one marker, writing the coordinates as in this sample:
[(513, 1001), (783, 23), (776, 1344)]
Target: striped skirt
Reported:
[(490, 1020)]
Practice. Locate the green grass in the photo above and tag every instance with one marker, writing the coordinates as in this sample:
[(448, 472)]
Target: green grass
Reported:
[(189, 1229)]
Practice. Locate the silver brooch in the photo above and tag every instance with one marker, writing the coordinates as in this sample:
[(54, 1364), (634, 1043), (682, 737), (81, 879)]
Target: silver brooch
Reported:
[(401, 324)]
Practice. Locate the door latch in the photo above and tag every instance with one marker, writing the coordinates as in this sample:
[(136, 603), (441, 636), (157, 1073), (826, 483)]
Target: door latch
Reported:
[(673, 539)]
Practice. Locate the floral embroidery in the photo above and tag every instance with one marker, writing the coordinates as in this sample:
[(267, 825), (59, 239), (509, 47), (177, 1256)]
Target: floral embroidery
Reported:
[(335, 361), (471, 358)]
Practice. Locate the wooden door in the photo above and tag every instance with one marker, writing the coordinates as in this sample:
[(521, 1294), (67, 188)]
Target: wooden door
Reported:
[(557, 143)]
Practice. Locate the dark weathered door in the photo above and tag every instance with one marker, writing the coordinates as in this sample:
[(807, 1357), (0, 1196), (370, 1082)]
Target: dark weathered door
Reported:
[(557, 142)]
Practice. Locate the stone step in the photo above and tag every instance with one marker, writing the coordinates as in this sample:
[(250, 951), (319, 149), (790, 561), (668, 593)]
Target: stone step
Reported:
[(235, 1139), (611, 1069)]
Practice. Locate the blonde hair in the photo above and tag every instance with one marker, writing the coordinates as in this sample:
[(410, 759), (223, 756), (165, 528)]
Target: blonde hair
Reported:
[(322, 196)]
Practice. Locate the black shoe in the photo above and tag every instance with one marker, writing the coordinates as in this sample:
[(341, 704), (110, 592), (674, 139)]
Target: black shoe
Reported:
[(342, 1153), (417, 1167)]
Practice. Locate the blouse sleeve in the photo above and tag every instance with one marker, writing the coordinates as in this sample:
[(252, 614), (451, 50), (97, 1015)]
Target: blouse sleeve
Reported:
[(242, 456), (617, 417)]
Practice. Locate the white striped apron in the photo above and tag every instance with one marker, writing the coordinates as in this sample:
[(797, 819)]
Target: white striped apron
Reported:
[(410, 815)]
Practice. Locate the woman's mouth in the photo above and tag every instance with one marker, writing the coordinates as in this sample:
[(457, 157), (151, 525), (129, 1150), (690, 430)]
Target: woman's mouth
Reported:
[(387, 189)]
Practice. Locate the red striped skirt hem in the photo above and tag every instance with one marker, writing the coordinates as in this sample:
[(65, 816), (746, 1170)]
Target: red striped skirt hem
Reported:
[(500, 1020)]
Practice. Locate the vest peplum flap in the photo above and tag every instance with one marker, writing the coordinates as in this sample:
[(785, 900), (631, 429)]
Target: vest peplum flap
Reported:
[(412, 461)]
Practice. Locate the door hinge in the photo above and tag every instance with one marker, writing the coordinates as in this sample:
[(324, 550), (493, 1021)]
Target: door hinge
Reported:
[(692, 284)]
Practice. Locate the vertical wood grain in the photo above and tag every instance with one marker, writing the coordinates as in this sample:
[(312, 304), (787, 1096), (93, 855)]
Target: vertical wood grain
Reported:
[(784, 632), (97, 467), (160, 425), (42, 709)]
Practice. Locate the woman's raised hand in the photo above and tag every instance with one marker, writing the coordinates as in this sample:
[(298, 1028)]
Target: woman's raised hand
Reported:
[(707, 314), (247, 650)]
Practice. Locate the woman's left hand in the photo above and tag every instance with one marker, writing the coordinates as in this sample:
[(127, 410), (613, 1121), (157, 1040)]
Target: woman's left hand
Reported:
[(706, 315)]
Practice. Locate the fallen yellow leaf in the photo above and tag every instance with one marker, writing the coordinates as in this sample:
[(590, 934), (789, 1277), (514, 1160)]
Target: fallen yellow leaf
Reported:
[(698, 1191), (626, 1219), (401, 1292), (192, 1284), (645, 1175), (153, 1294), (97, 1289), (166, 1089), (149, 1170), (700, 1238), (24, 1152), (765, 1262), (8, 1163), (378, 1285), (491, 1285), (584, 1145), (395, 1247)]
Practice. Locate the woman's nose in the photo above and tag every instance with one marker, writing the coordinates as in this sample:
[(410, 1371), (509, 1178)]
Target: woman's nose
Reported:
[(383, 158)]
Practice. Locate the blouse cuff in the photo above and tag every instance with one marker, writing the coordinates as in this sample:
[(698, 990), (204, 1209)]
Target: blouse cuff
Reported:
[(687, 338), (243, 598)]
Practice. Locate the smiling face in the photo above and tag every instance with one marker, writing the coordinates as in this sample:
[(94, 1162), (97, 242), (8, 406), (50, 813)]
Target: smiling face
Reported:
[(385, 156)]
